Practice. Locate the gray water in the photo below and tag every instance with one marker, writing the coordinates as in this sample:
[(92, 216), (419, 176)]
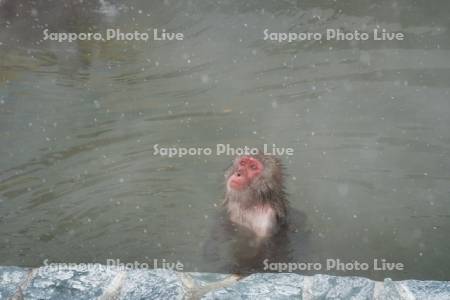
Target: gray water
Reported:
[(368, 121)]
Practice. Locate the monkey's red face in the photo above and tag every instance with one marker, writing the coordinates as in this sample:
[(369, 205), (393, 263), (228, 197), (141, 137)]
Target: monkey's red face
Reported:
[(246, 170)]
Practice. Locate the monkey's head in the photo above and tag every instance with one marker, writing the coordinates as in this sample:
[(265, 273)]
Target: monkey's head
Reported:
[(255, 172)]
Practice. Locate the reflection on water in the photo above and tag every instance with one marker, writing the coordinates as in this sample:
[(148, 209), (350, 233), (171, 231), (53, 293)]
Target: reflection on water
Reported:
[(368, 121)]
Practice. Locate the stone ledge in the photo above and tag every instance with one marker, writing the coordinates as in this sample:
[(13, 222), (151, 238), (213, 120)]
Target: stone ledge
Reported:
[(101, 282)]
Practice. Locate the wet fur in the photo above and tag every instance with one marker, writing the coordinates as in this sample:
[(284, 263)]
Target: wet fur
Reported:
[(262, 206)]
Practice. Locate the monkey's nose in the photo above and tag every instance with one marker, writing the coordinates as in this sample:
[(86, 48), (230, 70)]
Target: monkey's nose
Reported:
[(238, 174)]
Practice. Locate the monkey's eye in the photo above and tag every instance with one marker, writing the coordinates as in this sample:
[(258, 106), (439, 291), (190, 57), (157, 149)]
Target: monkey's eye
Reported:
[(253, 167), (242, 163)]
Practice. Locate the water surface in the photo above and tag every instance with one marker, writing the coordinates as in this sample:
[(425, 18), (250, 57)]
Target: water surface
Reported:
[(369, 123)]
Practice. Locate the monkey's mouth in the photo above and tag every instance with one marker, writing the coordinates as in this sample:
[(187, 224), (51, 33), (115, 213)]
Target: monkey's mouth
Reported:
[(236, 184)]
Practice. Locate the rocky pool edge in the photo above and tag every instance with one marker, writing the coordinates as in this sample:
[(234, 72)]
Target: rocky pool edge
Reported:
[(101, 282)]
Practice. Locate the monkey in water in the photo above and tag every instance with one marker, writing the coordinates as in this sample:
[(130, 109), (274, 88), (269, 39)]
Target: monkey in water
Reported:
[(255, 221), (255, 197)]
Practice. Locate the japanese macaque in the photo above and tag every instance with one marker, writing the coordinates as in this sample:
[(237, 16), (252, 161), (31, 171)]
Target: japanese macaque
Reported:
[(255, 198), (255, 222)]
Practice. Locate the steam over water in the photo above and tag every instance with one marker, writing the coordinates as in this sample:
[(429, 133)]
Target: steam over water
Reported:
[(369, 122)]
